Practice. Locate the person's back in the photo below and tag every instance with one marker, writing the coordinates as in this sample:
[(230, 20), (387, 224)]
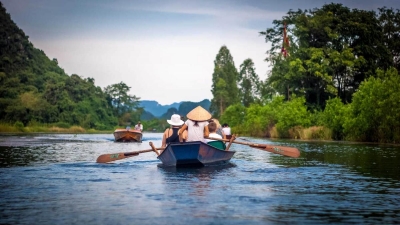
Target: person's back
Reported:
[(226, 129), (212, 127), (195, 130), (196, 124), (171, 134)]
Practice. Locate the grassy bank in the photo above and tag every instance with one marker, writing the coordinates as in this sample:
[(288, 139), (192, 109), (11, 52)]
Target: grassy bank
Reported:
[(309, 133), (19, 128)]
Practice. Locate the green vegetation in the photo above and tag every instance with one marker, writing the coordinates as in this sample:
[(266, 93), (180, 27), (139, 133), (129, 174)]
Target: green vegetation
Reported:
[(337, 78)]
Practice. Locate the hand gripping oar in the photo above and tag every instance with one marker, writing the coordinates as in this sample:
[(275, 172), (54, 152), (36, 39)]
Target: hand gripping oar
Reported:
[(105, 158), (281, 150)]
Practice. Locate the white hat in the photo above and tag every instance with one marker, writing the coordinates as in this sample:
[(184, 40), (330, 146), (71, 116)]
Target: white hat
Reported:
[(175, 120)]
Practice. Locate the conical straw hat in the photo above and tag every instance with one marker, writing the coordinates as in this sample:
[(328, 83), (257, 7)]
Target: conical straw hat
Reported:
[(199, 114)]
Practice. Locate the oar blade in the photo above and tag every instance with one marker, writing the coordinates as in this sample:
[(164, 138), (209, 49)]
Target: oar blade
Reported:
[(105, 158), (281, 150)]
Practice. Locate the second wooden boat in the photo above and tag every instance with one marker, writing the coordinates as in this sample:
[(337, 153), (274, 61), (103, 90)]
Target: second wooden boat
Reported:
[(124, 135)]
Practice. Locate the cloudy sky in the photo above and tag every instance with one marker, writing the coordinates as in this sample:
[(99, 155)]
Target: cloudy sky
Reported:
[(163, 49)]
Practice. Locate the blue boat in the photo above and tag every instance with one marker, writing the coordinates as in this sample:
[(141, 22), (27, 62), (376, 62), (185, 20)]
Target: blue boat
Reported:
[(193, 154)]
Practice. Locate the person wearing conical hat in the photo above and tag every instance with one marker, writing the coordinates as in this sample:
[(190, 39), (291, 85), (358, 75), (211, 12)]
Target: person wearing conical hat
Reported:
[(196, 124)]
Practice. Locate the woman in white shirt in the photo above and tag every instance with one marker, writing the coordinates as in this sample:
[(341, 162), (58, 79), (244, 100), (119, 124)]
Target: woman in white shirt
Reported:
[(196, 124)]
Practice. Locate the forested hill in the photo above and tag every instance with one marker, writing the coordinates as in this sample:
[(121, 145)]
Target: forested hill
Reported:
[(34, 88)]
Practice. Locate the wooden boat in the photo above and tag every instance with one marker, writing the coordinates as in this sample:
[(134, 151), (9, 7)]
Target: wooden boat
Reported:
[(193, 154), (124, 135)]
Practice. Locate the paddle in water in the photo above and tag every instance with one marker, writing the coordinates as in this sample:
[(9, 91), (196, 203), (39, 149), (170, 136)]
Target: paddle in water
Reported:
[(105, 158), (281, 150)]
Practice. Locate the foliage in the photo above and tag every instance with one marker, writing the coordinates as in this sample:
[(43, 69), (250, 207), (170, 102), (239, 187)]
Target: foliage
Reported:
[(224, 83), (249, 83), (259, 120), (292, 113), (234, 115), (374, 113), (333, 49), (35, 88), (334, 115), (120, 99)]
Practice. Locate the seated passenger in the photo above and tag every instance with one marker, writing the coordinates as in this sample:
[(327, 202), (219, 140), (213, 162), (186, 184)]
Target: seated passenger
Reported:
[(196, 124), (212, 127), (227, 131), (171, 134)]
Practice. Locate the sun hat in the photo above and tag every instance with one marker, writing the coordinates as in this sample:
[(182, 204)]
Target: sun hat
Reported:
[(199, 114), (175, 120), (217, 122)]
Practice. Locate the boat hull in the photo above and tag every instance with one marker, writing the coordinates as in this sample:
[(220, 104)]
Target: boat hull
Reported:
[(124, 135), (193, 154)]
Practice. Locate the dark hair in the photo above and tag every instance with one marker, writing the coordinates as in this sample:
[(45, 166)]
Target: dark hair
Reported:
[(212, 127)]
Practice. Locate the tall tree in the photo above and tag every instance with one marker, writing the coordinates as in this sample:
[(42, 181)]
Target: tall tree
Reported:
[(333, 49), (224, 82), (249, 83), (120, 99)]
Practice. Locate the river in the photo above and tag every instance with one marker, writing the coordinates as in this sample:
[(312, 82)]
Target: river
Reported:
[(54, 179)]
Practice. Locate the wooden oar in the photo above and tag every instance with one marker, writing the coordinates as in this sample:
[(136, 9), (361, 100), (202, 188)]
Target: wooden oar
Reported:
[(105, 158), (281, 150)]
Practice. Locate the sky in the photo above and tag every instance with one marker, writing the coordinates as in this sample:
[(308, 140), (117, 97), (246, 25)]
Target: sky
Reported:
[(163, 49)]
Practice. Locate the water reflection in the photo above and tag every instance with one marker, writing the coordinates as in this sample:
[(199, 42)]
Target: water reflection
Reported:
[(54, 179), (198, 178)]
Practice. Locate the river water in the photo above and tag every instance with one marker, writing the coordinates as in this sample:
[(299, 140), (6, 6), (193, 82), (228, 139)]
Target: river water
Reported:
[(54, 179)]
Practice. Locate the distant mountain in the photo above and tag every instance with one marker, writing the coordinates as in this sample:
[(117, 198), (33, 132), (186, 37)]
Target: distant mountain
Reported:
[(155, 108), (165, 111)]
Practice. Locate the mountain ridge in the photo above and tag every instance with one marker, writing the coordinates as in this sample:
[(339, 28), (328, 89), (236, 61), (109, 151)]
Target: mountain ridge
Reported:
[(164, 111)]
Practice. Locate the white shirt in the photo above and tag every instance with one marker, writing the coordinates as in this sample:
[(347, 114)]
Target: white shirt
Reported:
[(213, 135), (226, 130), (195, 133), (139, 127)]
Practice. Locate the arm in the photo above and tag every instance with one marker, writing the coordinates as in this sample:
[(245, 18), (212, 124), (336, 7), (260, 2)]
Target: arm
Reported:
[(181, 131), (183, 136), (206, 132), (164, 139)]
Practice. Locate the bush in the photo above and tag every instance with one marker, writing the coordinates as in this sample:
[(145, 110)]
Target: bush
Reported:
[(374, 112), (19, 125), (334, 116), (62, 125)]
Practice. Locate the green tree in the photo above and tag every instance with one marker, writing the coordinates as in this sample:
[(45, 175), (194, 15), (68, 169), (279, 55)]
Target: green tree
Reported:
[(249, 83), (120, 99), (374, 112), (333, 49), (224, 82)]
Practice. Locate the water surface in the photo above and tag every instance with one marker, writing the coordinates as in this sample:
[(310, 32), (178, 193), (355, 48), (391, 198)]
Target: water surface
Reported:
[(54, 179)]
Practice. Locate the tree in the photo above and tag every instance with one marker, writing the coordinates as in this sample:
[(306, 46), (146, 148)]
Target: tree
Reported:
[(333, 49), (249, 83), (120, 99), (224, 82)]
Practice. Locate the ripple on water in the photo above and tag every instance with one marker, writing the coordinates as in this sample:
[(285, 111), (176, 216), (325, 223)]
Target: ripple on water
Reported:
[(55, 180)]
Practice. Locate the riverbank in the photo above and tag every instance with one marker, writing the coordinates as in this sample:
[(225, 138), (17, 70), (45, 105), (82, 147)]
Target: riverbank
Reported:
[(19, 128)]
